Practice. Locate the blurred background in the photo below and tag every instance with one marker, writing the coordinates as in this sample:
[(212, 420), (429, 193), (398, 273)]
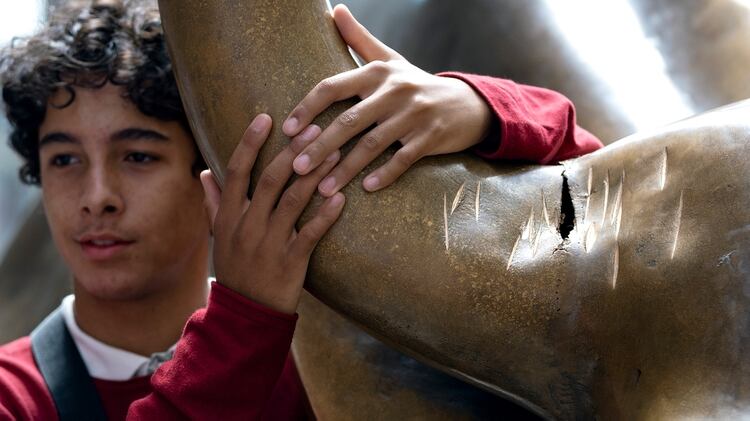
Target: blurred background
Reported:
[(16, 19)]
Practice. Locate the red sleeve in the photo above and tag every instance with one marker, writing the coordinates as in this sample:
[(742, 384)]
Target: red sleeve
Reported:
[(23, 393), (225, 365), (532, 124)]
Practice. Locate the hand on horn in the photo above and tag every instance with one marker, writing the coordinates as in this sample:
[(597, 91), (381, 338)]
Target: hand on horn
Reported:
[(428, 114), (257, 250)]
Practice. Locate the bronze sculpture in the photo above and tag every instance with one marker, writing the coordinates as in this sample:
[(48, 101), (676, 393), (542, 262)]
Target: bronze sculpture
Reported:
[(591, 288)]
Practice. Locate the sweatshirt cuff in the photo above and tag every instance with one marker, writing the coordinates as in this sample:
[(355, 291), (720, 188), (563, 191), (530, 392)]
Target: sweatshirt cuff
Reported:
[(226, 298), (491, 147)]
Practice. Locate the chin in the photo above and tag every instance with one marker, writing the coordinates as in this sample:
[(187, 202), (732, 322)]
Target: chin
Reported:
[(113, 287)]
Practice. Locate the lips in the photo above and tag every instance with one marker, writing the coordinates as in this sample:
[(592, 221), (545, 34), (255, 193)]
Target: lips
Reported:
[(99, 247)]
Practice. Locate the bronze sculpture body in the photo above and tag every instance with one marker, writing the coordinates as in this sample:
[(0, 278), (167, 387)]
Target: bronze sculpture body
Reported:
[(633, 305)]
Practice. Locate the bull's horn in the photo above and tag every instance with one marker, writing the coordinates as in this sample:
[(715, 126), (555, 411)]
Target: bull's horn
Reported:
[(633, 304)]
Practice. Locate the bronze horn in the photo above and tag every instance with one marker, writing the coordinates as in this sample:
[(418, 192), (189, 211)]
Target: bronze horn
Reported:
[(613, 285)]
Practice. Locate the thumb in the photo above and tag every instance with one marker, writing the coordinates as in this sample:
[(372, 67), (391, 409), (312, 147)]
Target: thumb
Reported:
[(359, 38)]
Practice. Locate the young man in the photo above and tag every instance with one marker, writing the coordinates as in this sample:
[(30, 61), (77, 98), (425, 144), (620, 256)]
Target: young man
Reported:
[(98, 119)]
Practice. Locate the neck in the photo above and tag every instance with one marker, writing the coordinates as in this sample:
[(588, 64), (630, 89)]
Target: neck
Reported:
[(142, 325)]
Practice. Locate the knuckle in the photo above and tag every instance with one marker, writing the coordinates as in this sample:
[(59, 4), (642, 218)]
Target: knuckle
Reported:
[(326, 87), (371, 141), (378, 67), (405, 157), (439, 127), (311, 234), (234, 169), (404, 86), (348, 118), (316, 150), (290, 201), (268, 180), (420, 104)]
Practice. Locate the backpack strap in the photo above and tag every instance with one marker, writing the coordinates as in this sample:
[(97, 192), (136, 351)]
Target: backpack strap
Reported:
[(65, 373)]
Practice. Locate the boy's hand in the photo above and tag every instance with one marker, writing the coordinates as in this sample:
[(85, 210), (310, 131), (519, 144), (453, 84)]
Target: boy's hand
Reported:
[(257, 251), (428, 114)]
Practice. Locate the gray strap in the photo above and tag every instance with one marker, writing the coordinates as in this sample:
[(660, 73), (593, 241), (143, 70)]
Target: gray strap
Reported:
[(64, 371)]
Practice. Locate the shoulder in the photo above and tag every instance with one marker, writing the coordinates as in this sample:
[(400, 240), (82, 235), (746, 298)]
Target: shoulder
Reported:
[(17, 356), (23, 393)]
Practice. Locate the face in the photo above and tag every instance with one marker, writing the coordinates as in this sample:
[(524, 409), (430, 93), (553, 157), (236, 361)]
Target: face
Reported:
[(123, 206)]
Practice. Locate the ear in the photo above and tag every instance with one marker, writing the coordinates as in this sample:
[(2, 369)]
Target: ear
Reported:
[(212, 196)]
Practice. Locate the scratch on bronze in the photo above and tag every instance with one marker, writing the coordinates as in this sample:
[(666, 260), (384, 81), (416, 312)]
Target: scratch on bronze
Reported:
[(528, 230), (476, 201), (606, 198), (536, 242), (618, 200), (545, 213), (616, 265), (677, 225), (588, 194), (591, 234), (445, 219), (618, 222), (513, 252), (457, 199), (663, 172)]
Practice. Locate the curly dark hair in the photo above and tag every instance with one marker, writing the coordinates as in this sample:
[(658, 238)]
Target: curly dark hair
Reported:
[(88, 44)]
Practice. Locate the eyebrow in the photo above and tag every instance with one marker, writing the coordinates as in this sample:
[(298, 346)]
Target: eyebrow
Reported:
[(57, 137), (130, 133), (134, 133)]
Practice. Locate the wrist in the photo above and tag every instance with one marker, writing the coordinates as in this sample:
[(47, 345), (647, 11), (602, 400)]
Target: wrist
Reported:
[(277, 301)]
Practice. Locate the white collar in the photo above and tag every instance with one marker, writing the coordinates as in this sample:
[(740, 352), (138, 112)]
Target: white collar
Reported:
[(103, 361)]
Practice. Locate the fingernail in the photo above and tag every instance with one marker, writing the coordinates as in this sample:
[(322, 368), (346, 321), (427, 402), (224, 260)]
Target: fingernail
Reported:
[(334, 156), (336, 199), (371, 183), (327, 185), (308, 134), (259, 123), (301, 163), (290, 125)]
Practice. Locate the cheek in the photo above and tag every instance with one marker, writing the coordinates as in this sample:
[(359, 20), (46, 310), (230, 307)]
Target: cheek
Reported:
[(176, 204), (60, 205)]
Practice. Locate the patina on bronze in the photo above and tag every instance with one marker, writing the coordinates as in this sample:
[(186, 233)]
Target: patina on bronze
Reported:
[(615, 285)]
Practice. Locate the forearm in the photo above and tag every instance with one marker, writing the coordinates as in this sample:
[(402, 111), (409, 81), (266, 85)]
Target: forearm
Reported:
[(531, 124), (226, 364)]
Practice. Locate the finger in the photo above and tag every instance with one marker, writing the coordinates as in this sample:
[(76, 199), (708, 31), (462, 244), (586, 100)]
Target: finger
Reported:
[(270, 185), (347, 125), (335, 88), (313, 231), (359, 38), (275, 176), (392, 170), (241, 163), (303, 139), (212, 194), (296, 198), (369, 147)]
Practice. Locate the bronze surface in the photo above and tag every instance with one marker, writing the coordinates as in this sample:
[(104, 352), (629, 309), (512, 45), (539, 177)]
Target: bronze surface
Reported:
[(640, 313), (347, 372)]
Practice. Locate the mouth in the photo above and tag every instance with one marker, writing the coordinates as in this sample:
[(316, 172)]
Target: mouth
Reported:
[(103, 247)]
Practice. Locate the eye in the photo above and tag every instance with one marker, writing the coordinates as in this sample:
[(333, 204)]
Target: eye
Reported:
[(63, 160), (140, 157)]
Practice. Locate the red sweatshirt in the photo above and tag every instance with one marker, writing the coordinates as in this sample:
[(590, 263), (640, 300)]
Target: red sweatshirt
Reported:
[(232, 361)]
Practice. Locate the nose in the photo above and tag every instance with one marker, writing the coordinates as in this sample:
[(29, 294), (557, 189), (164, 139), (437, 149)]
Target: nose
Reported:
[(102, 195)]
